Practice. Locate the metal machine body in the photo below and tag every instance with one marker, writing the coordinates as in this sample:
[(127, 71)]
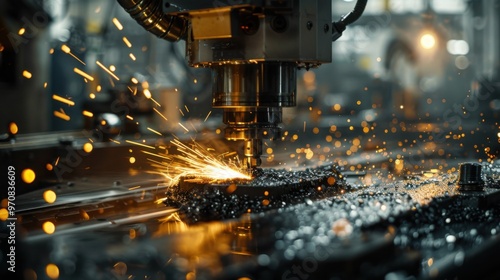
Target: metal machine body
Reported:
[(254, 51)]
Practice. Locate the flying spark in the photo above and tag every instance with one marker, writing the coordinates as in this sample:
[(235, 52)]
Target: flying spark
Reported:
[(154, 131), (117, 24), (183, 127), (147, 93), (161, 115), (83, 74), (127, 42), (63, 100), (27, 74), (208, 115), (155, 102), (88, 114), (140, 144), (197, 164), (62, 115), (107, 70), (67, 50)]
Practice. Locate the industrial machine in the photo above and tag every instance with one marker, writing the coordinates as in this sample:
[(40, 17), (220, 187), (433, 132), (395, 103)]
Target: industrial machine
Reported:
[(349, 194), (254, 50)]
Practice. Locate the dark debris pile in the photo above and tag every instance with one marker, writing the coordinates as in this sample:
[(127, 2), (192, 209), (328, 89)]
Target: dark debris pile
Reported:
[(271, 189)]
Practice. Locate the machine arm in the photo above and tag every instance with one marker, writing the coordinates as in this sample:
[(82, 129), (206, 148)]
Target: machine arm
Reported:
[(254, 51)]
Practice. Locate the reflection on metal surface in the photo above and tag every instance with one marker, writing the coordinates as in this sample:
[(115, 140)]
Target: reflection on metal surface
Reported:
[(28, 176), (133, 232)]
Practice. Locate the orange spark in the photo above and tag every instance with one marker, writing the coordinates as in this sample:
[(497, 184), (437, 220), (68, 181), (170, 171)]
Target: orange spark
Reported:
[(62, 115), (107, 70), (154, 131), (63, 100), (147, 93), (127, 42), (27, 74), (88, 114), (117, 24), (83, 74), (67, 50), (197, 164), (161, 115), (140, 144), (156, 102), (183, 127)]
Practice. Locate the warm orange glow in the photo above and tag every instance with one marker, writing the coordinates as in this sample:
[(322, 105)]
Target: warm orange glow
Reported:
[(160, 114), (28, 176), (4, 214), (88, 114), (83, 74), (231, 188), (49, 196), (154, 131), (107, 70), (27, 74), (63, 100), (140, 144), (65, 49), (85, 216), (198, 164), (127, 42), (147, 93), (87, 147), (132, 160), (49, 227), (52, 271), (62, 115), (117, 23), (13, 128), (331, 181)]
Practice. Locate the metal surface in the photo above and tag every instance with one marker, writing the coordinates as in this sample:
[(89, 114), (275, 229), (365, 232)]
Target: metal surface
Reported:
[(420, 227)]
